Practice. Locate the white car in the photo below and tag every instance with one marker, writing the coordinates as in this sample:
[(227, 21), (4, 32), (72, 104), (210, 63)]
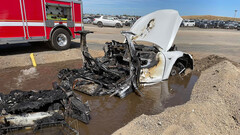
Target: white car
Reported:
[(127, 21), (107, 21), (188, 23)]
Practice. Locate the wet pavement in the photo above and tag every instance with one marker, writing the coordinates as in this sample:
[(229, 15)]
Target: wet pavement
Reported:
[(108, 113)]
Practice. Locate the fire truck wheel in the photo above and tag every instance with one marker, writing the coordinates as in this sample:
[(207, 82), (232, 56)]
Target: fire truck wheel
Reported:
[(60, 39)]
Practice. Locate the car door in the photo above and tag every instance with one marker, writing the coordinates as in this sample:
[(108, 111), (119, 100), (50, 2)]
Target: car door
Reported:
[(110, 21), (105, 21)]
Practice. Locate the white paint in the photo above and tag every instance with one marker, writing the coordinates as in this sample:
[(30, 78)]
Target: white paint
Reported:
[(11, 24), (78, 24), (159, 27), (27, 119), (33, 24), (171, 58), (21, 24), (150, 76)]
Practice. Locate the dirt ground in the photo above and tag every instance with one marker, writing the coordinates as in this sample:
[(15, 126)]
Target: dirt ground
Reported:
[(214, 107)]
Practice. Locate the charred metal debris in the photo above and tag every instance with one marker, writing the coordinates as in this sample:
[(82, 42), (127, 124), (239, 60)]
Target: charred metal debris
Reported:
[(37, 109), (117, 73)]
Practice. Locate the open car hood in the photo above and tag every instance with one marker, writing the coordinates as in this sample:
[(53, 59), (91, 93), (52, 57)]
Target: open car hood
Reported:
[(159, 28)]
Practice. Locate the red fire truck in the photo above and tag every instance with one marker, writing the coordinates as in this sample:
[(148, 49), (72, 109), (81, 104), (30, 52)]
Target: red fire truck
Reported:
[(51, 21)]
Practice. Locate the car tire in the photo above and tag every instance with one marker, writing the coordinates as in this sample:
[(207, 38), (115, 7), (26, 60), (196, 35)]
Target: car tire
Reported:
[(118, 25), (100, 24), (175, 70), (60, 39)]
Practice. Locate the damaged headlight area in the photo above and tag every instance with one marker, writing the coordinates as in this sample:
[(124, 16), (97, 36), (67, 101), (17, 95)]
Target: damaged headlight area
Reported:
[(37, 109)]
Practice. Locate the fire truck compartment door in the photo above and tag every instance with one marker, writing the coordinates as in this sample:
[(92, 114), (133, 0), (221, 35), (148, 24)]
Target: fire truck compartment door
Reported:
[(34, 18)]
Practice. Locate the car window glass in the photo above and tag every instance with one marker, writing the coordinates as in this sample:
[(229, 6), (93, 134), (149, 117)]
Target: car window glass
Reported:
[(110, 18), (104, 17)]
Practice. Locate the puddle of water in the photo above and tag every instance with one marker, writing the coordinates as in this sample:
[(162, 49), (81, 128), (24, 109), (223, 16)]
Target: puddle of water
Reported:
[(108, 114)]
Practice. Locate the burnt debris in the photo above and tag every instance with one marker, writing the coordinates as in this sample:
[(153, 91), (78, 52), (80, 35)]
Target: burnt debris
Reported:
[(117, 73), (38, 109)]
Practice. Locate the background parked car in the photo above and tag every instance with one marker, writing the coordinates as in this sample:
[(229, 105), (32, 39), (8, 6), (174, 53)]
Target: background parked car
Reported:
[(107, 21), (197, 23), (128, 21), (87, 20), (187, 23), (206, 24), (229, 25), (238, 27)]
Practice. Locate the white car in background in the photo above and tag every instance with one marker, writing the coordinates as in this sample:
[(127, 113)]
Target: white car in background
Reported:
[(127, 21), (107, 21), (188, 23)]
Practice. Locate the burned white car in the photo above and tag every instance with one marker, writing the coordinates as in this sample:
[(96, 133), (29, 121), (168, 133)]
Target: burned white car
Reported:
[(127, 66)]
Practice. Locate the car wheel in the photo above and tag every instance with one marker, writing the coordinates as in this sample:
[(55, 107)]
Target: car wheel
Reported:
[(100, 24), (118, 25), (60, 40), (175, 70)]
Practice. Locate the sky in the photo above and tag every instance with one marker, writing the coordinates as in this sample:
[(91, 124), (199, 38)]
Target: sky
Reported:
[(143, 7)]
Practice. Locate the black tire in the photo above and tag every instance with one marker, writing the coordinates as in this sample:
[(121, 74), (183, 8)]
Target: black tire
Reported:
[(60, 39), (100, 24), (118, 25), (175, 70)]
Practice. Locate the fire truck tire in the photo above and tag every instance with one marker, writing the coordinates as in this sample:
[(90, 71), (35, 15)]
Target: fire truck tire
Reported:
[(60, 40)]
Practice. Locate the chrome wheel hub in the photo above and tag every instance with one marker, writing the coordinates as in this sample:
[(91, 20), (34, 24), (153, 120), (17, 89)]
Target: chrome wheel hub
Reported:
[(62, 40)]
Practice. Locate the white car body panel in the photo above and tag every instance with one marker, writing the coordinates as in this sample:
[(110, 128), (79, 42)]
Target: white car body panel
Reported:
[(159, 27)]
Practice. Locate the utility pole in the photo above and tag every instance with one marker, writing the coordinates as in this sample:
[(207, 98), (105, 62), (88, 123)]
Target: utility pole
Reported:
[(235, 13)]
